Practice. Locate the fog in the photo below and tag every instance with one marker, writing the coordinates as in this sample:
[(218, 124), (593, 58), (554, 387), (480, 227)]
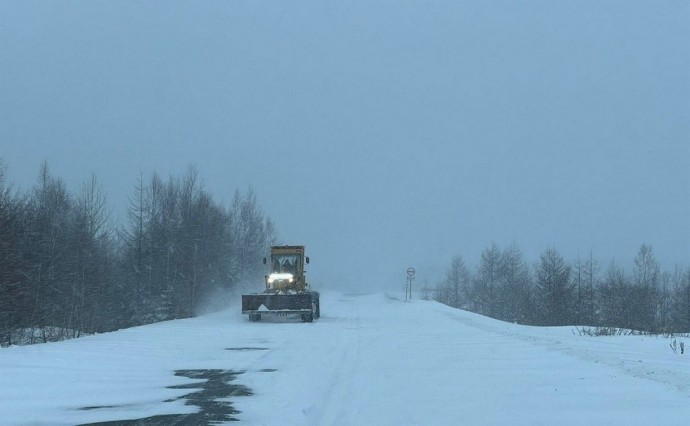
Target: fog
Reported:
[(382, 134)]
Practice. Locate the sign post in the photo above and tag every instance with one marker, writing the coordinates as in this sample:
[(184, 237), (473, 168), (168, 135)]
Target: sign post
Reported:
[(408, 287)]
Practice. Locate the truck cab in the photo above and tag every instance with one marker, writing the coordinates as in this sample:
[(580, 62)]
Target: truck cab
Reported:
[(286, 269)]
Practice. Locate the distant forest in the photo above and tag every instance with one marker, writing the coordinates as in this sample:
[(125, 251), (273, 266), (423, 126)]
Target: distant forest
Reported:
[(554, 292), (67, 270)]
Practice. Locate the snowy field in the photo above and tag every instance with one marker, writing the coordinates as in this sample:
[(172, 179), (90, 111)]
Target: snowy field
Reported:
[(369, 360)]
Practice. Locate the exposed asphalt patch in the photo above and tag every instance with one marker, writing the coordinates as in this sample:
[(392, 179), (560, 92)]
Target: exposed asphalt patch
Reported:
[(211, 411), (268, 370), (98, 407)]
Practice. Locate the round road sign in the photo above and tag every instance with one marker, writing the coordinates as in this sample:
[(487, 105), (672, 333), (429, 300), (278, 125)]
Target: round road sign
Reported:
[(410, 271)]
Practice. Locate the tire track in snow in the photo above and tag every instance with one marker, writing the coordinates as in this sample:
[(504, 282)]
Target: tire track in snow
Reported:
[(346, 355)]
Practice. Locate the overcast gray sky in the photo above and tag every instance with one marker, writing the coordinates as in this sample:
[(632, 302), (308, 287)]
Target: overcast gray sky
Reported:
[(381, 134)]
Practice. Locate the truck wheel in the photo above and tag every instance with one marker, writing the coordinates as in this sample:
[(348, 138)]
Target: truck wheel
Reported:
[(254, 317), (307, 318), (315, 305)]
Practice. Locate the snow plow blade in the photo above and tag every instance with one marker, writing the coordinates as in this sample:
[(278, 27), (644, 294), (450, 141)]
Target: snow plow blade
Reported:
[(303, 304)]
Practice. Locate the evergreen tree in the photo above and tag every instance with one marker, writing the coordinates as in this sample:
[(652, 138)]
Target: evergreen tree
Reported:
[(455, 289), (554, 289), (680, 305), (589, 270), (612, 299), (14, 299), (515, 286), (486, 281), (645, 292)]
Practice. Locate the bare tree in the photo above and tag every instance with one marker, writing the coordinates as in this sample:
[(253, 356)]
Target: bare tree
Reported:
[(251, 234), (46, 253), (91, 239), (134, 304)]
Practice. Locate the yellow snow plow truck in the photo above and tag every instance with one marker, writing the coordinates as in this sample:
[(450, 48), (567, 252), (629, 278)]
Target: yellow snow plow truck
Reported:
[(287, 292)]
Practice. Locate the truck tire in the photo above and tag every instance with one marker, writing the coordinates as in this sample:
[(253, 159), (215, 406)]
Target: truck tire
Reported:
[(254, 317), (307, 318)]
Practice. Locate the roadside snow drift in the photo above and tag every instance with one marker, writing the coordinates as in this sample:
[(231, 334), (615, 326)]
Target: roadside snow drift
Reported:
[(370, 359)]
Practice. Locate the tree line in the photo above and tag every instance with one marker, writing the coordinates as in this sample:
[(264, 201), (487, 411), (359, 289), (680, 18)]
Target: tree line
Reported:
[(67, 270), (554, 292)]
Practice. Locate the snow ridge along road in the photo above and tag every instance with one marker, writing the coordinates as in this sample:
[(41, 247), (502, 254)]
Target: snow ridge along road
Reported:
[(370, 359)]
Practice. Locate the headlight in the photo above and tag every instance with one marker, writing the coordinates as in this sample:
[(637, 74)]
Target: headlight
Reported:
[(284, 277)]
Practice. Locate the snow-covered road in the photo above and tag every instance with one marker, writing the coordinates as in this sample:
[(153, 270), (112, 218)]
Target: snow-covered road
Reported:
[(369, 360)]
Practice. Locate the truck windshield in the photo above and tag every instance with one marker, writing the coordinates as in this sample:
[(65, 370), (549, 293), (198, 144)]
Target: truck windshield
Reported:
[(286, 263)]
